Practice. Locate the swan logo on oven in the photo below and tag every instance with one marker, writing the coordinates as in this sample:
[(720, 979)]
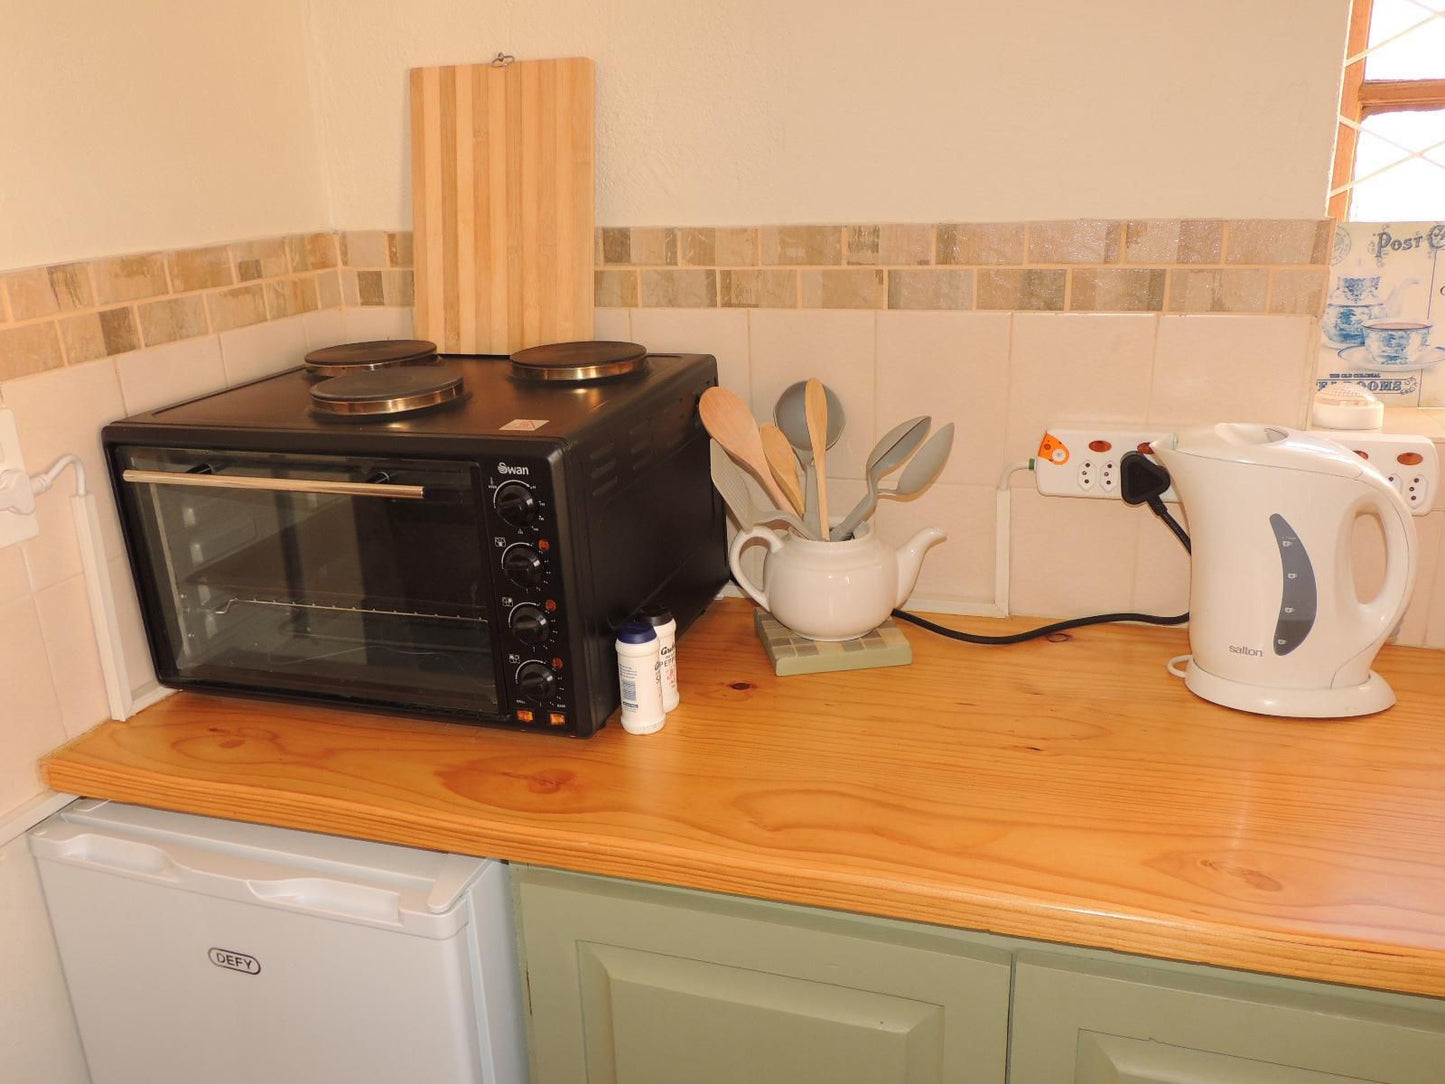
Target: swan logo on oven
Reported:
[(502, 468), (235, 961)]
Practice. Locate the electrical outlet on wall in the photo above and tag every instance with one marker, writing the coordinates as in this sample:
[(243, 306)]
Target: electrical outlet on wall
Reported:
[(1083, 461), (15, 526)]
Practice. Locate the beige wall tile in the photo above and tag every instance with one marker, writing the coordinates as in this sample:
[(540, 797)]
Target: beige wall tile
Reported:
[(1161, 567), (721, 333), (736, 247), (1076, 367), (1116, 289), (94, 335), (312, 251), (1075, 240), (1170, 240), (851, 289), (1227, 290), (616, 244), (200, 268), (654, 246), (29, 348), (1069, 558), (801, 245), (260, 259), (697, 247), (615, 289), (1298, 291), (350, 290), (1020, 289), (398, 286), (904, 245), (249, 353), (172, 373), (64, 612), (399, 248), (370, 288), (981, 243), (935, 288), (597, 247), (237, 307), (758, 288), (695, 289), (837, 347), (612, 325), (1434, 635), (1244, 369), (171, 319), (292, 296), (32, 712), (953, 366), (960, 568), (1278, 240), (328, 289), (325, 327), (45, 291), (861, 245), (379, 322), (365, 248), (129, 278)]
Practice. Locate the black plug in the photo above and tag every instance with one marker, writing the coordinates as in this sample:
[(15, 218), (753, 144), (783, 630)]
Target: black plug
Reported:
[(1141, 480)]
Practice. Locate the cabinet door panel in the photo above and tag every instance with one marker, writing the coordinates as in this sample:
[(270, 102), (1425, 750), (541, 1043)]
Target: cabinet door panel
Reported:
[(632, 984), (1096, 1023), (1113, 1059), (659, 1019)]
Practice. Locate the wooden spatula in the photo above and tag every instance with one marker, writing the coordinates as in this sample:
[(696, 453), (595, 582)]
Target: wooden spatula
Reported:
[(783, 463), (816, 408), (730, 423)]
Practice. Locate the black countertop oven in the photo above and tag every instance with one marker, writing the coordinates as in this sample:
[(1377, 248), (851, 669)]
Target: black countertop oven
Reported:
[(471, 561)]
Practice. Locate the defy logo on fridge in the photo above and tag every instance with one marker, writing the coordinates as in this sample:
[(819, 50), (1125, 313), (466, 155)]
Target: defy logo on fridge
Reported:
[(234, 961)]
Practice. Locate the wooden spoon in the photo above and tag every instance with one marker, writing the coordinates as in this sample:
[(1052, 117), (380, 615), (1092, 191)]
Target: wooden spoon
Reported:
[(730, 423), (816, 408), (784, 464)]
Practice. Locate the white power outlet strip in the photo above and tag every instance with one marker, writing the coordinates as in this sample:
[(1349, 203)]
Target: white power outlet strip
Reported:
[(1411, 464), (15, 526), (1084, 462)]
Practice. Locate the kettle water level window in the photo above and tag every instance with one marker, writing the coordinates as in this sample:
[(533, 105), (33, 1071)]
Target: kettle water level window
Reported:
[(1390, 145)]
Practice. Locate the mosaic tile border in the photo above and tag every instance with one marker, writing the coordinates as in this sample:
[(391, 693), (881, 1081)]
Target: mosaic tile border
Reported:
[(1075, 265), (71, 313)]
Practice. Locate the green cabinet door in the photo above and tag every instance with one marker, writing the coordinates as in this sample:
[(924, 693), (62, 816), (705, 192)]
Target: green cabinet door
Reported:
[(634, 984), (1085, 1022)]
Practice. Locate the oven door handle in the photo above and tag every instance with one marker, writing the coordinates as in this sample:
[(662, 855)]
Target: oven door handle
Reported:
[(276, 485)]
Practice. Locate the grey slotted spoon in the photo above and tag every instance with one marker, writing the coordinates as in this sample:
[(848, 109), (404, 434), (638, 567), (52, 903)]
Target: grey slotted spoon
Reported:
[(887, 456), (791, 415), (745, 498)]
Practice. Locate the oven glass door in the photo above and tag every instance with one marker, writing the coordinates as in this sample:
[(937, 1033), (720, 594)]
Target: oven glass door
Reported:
[(316, 575)]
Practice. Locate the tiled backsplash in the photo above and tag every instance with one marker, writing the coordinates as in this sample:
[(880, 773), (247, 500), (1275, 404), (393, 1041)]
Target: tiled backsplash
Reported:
[(1079, 265), (69, 314)]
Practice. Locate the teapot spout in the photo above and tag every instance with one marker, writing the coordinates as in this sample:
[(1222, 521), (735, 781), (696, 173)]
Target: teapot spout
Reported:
[(910, 559), (1391, 304)]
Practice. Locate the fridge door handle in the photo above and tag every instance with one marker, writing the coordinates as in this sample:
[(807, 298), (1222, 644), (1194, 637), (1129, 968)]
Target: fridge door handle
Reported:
[(323, 895), (100, 851), (275, 485)]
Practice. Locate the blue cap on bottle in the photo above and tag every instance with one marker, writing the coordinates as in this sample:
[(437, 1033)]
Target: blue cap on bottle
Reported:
[(636, 632)]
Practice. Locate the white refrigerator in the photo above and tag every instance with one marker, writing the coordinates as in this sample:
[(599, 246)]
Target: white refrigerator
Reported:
[(198, 949)]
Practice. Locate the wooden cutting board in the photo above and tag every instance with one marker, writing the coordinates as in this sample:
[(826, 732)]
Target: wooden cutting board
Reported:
[(503, 191)]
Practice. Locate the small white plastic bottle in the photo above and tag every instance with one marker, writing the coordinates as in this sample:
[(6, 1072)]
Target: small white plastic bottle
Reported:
[(661, 619), (639, 672)]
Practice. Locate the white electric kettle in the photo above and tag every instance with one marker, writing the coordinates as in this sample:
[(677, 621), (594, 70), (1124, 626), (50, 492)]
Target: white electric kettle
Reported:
[(1275, 624)]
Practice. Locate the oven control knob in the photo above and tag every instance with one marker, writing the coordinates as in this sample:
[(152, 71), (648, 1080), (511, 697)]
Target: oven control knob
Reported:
[(515, 503), (523, 565), (529, 623), (536, 682)]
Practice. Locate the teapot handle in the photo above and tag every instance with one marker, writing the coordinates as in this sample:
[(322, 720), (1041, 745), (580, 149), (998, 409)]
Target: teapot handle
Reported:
[(757, 594)]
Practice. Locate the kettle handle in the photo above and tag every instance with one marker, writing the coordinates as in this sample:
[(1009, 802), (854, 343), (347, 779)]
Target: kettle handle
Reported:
[(757, 594), (1384, 611)]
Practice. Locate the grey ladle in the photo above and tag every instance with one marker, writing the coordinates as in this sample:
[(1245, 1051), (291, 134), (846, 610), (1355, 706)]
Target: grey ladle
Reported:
[(790, 413), (922, 470), (887, 456), (745, 498)]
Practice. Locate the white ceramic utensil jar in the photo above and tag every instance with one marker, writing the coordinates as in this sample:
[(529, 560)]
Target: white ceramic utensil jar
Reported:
[(832, 590)]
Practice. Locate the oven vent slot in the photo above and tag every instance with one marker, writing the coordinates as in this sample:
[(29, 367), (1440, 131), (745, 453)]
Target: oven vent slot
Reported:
[(602, 470)]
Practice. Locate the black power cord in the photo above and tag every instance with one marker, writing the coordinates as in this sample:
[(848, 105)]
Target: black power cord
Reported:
[(1141, 481)]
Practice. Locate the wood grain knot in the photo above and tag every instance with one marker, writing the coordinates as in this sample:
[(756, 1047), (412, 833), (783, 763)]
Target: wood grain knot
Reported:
[(1058, 637), (549, 782), (741, 686), (1256, 879)]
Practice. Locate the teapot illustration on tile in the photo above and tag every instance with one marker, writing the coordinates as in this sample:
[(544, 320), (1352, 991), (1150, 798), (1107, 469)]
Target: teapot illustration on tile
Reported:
[(1355, 300)]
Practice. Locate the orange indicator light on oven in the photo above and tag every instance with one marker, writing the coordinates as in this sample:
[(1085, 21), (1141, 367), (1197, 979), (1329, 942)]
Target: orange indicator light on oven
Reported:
[(556, 718), (543, 545), (551, 605), (524, 715)]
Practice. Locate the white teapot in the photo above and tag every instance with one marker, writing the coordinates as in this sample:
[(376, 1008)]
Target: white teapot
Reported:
[(832, 590)]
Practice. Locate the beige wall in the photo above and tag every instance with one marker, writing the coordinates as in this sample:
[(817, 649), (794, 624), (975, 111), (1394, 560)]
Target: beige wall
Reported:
[(912, 111), (152, 124)]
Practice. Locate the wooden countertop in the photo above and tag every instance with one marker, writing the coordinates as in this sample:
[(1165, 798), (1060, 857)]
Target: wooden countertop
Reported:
[(1068, 791)]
